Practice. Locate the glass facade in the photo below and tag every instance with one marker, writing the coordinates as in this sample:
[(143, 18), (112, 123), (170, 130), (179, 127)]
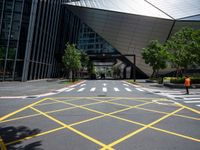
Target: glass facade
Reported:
[(28, 30), (15, 16), (92, 43)]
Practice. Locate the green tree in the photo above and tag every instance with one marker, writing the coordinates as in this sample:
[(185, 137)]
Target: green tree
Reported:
[(195, 46), (91, 69), (156, 56), (71, 60), (84, 59), (180, 48)]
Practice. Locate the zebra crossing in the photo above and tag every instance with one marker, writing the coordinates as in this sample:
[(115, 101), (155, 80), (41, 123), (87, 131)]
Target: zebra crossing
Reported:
[(104, 88), (179, 95)]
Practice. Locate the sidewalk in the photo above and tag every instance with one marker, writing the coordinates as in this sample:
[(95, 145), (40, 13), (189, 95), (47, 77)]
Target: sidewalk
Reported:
[(156, 86), (34, 87)]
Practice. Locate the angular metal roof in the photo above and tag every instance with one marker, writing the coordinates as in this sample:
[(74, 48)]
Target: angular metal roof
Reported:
[(167, 9), (178, 8), (138, 7)]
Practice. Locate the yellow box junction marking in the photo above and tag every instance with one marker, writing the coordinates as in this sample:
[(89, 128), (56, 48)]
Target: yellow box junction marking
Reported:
[(143, 128), (72, 129), (19, 110), (104, 114), (94, 118)]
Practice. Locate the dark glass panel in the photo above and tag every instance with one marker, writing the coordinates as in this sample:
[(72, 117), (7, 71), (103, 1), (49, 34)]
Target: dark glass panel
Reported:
[(9, 70), (18, 70)]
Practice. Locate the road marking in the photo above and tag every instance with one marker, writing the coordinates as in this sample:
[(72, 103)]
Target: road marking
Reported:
[(192, 98), (191, 102), (92, 89), (82, 85), (104, 89), (19, 110), (126, 84), (198, 105), (116, 89), (139, 89), (129, 90), (69, 90), (80, 90), (143, 128), (191, 109), (104, 84), (72, 129)]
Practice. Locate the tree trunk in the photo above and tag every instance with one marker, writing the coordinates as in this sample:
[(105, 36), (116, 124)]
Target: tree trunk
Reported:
[(152, 75)]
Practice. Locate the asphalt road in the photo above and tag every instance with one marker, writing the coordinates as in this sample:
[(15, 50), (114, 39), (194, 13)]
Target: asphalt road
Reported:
[(103, 115)]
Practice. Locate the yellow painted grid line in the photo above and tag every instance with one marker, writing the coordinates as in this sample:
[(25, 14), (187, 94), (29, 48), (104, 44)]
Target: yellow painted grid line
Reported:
[(130, 121), (141, 129), (96, 111), (53, 111), (191, 109), (80, 122), (2, 144), (152, 110), (23, 108), (161, 112), (36, 135), (73, 129), (49, 103)]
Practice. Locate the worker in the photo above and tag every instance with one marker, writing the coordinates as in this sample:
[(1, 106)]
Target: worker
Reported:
[(187, 84)]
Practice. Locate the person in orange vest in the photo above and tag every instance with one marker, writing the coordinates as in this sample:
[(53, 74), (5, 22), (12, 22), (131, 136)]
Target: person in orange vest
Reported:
[(187, 84)]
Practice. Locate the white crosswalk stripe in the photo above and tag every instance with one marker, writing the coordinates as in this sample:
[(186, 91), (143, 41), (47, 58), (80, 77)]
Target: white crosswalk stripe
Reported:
[(193, 98), (104, 89), (116, 89), (139, 89), (125, 84), (92, 89), (127, 89), (69, 90), (80, 90), (104, 84), (191, 101), (82, 85)]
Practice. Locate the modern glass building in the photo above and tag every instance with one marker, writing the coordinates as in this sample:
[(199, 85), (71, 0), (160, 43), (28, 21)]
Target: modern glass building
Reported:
[(33, 33)]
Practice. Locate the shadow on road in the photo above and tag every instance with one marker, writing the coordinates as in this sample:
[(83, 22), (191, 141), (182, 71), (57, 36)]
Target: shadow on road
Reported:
[(11, 133)]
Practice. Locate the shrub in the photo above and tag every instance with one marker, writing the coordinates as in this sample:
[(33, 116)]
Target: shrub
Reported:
[(194, 80)]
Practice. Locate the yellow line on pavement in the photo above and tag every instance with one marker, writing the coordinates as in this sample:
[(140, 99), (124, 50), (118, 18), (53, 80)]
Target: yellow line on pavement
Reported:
[(98, 112), (48, 112), (19, 110), (36, 135), (176, 134), (72, 129), (2, 145), (191, 109), (161, 112), (143, 128)]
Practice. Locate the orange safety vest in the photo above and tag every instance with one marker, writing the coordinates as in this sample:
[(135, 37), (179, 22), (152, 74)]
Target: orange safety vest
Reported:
[(187, 82)]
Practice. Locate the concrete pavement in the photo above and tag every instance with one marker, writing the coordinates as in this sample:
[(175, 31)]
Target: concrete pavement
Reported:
[(104, 115)]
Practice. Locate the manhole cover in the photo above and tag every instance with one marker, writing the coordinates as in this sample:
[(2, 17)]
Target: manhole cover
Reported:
[(156, 91), (32, 97), (178, 97), (101, 95)]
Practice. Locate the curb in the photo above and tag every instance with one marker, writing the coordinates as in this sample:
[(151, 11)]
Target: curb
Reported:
[(45, 94)]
